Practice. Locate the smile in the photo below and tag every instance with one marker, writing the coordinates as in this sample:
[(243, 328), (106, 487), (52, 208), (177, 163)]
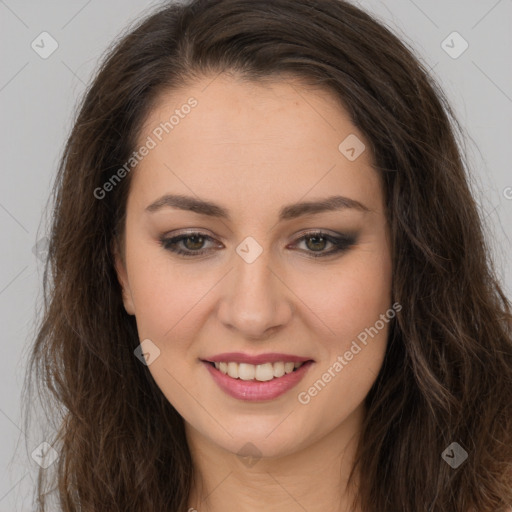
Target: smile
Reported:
[(261, 372), (260, 382)]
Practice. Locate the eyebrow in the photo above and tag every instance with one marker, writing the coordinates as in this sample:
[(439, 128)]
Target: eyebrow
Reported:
[(291, 211)]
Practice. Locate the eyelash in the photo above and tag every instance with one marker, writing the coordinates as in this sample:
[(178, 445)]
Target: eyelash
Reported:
[(340, 243)]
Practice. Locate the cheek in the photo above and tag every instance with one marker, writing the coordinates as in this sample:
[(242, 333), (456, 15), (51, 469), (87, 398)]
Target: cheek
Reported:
[(350, 296), (354, 308), (166, 295)]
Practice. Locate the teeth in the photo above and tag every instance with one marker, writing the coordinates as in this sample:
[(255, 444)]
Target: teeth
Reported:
[(261, 372), (233, 370), (279, 369), (246, 371)]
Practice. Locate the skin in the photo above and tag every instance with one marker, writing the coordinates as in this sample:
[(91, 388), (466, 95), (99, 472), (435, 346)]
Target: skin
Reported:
[(252, 149)]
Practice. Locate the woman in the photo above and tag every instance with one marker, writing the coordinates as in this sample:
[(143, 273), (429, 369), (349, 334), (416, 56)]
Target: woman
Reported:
[(270, 284)]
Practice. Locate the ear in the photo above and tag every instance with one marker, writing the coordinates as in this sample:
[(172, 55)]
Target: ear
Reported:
[(122, 277)]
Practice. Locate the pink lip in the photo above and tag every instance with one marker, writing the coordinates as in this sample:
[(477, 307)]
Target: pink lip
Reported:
[(240, 357), (253, 390)]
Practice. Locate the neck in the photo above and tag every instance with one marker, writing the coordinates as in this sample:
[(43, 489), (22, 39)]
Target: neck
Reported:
[(313, 478)]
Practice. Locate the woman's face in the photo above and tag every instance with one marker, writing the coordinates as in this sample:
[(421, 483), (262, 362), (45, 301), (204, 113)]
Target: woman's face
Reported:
[(249, 158)]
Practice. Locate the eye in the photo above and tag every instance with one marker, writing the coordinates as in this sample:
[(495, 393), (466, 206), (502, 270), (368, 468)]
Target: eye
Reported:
[(192, 244), (317, 241)]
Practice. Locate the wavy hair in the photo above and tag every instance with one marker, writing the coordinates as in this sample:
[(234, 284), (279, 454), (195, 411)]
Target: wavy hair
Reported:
[(447, 372)]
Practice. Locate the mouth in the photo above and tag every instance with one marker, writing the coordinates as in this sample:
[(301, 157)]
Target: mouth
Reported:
[(260, 382), (259, 373)]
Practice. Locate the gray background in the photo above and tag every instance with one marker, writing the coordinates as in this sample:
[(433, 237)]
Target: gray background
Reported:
[(37, 100)]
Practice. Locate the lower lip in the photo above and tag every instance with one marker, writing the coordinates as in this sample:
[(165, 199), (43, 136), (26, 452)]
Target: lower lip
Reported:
[(256, 391)]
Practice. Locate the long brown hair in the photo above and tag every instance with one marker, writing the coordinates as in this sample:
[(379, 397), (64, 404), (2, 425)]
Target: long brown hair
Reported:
[(447, 373)]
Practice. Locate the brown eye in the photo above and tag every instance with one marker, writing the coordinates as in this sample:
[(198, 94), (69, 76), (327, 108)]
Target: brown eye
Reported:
[(197, 242), (192, 244), (317, 243)]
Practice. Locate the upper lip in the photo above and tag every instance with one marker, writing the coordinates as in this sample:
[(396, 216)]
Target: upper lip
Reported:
[(240, 357)]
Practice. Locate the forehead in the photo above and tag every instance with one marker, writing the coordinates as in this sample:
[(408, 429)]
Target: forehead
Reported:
[(252, 143)]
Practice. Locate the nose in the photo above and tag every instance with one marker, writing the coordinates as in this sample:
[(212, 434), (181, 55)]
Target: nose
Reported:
[(255, 300)]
